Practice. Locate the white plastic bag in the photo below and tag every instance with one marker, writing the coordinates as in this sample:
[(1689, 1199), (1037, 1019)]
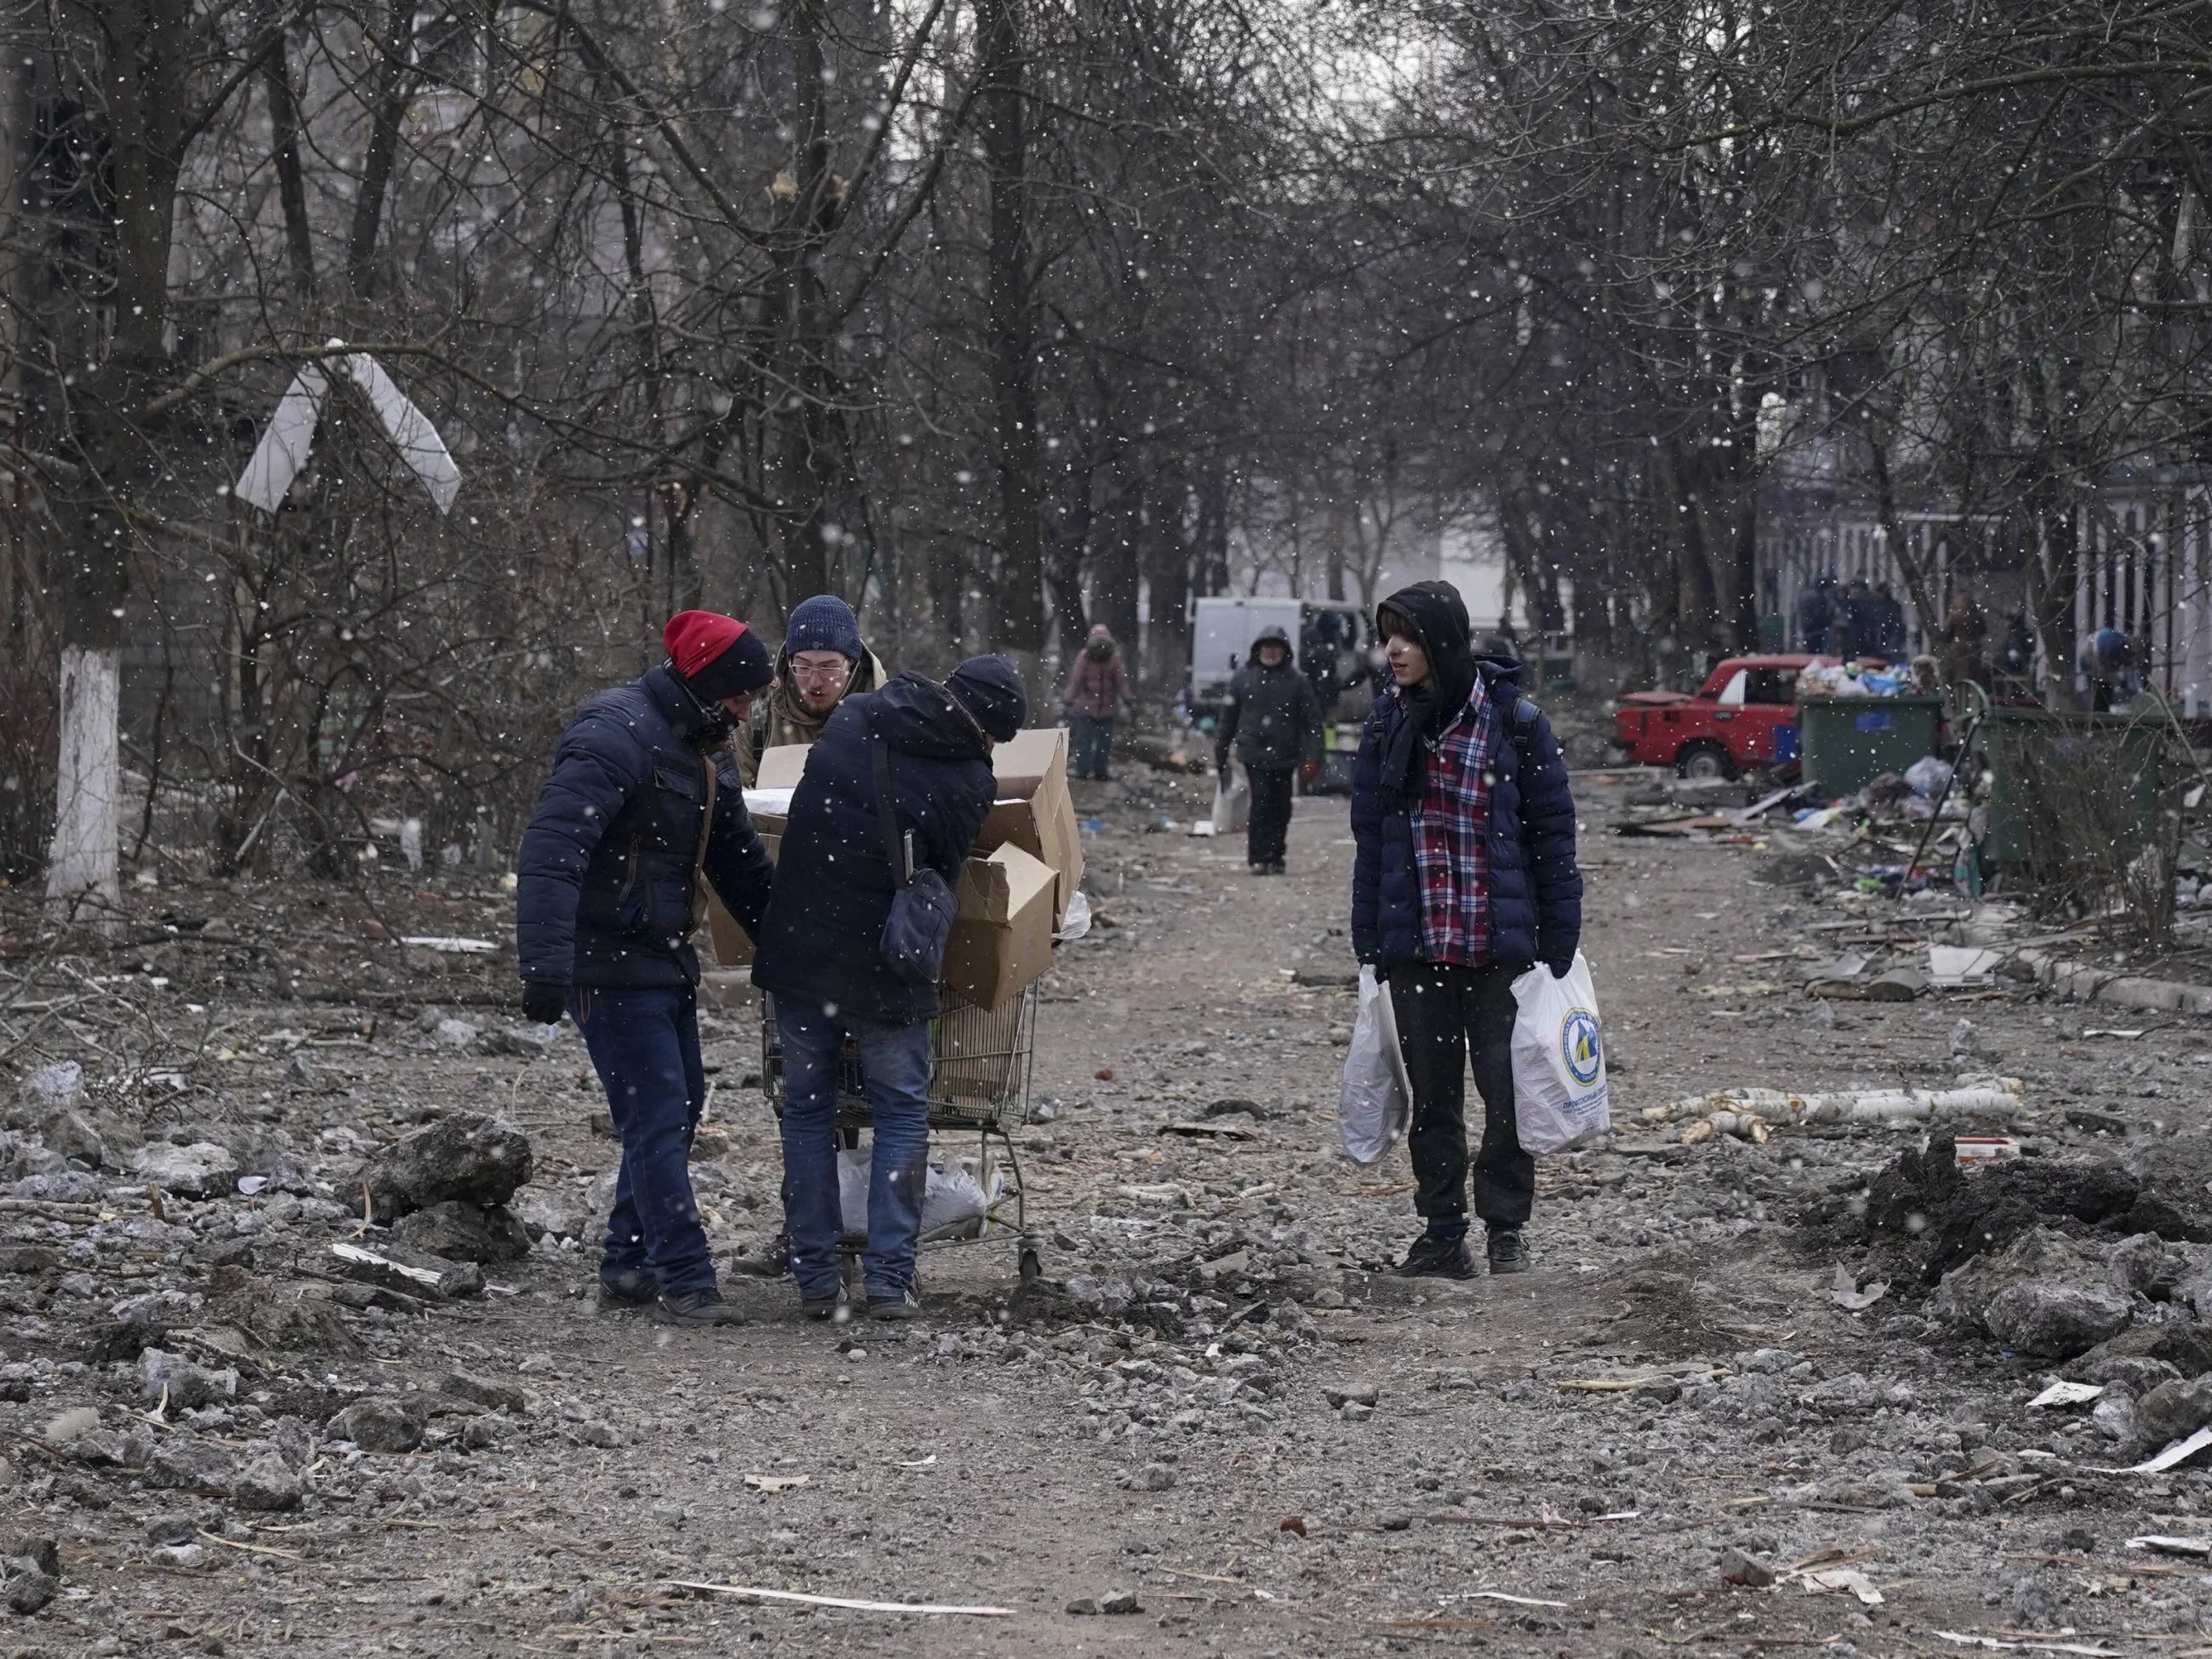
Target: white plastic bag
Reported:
[(953, 1201), (1232, 801), (1559, 1096), (1376, 1102)]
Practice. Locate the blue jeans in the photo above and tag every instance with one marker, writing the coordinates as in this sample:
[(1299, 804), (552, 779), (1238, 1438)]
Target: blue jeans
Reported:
[(645, 1045), (895, 1060), (1092, 743)]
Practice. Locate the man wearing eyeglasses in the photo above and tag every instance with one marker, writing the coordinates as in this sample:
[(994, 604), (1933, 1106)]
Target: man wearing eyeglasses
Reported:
[(822, 661)]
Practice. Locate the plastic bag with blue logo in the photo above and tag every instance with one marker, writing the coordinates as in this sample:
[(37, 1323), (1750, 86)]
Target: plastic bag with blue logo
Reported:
[(1560, 1096), (1376, 1101)]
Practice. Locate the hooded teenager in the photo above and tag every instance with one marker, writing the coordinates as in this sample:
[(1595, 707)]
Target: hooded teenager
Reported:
[(823, 662), (820, 954), (1097, 691), (1274, 721), (1463, 878), (639, 806)]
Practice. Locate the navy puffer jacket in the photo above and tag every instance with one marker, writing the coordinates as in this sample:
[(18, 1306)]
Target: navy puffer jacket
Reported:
[(834, 880), (1535, 888), (605, 896)]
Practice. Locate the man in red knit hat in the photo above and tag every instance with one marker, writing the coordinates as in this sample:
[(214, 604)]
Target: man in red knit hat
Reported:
[(643, 801)]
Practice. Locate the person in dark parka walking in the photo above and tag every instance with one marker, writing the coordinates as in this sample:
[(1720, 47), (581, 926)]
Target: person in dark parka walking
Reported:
[(1274, 721), (819, 955), (641, 803), (1463, 878)]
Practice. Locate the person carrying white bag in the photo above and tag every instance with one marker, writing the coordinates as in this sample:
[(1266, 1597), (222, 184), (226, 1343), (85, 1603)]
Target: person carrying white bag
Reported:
[(1463, 881)]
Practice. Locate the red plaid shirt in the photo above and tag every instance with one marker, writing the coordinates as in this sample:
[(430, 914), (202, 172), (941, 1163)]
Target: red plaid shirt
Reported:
[(1451, 838)]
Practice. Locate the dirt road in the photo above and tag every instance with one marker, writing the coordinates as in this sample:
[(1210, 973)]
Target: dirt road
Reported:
[(1154, 1427)]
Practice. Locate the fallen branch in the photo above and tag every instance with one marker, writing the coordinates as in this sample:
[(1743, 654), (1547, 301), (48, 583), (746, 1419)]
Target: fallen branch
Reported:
[(758, 1594), (251, 1549)]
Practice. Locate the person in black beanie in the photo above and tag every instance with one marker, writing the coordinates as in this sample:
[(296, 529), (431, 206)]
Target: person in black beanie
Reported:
[(819, 955), (641, 803)]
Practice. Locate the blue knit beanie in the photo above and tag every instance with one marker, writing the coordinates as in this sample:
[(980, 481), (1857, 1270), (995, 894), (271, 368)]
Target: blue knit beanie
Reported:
[(824, 623)]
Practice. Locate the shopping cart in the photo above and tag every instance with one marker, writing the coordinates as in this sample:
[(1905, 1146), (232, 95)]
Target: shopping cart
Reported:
[(980, 1061)]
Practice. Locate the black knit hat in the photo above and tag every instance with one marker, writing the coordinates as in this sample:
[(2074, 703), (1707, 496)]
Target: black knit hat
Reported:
[(990, 690)]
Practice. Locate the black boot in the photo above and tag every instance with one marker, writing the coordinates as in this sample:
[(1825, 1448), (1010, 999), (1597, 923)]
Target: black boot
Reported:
[(1437, 1257), (698, 1307), (1508, 1251), (628, 1287)]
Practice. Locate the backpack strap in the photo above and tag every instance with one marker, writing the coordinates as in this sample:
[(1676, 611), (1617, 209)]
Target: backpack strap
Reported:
[(886, 820), (1524, 732)]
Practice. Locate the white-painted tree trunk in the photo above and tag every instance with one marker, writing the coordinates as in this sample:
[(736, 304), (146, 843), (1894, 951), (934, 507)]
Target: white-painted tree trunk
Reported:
[(85, 850)]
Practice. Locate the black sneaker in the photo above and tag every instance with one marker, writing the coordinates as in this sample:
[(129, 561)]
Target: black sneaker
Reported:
[(1508, 1251), (771, 1261), (901, 1305), (630, 1287), (697, 1308), (837, 1306), (1277, 869), (1437, 1258)]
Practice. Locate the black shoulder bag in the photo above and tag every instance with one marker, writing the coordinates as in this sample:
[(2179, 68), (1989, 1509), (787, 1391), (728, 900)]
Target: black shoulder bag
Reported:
[(920, 918)]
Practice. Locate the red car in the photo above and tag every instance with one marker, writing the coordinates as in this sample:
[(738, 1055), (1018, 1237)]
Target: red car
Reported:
[(1746, 715)]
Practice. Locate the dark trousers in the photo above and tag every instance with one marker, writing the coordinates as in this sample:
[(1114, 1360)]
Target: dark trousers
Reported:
[(1444, 1011), (1268, 832), (645, 1046), (1093, 745)]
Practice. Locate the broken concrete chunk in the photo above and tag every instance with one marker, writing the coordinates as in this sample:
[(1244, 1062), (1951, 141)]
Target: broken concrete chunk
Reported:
[(56, 1088), (2146, 1265), (30, 1592), (378, 1424), (71, 1135), (2043, 1295), (181, 1463), (557, 1211), (485, 1391), (1739, 1567), (2173, 1411), (464, 1156), (188, 1386), (202, 1170), (462, 1231), (417, 1273), (266, 1486)]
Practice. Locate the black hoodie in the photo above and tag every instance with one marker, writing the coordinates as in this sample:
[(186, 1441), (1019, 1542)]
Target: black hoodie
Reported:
[(1438, 617), (833, 878)]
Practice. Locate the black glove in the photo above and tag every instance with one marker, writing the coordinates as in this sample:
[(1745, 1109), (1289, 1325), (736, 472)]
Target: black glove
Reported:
[(1560, 970), (544, 1003)]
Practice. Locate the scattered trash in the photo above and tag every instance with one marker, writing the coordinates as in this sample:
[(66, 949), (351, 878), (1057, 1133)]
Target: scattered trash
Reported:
[(1845, 1293), (2167, 1546), (1750, 1113), (775, 1483), (2069, 1394), (2113, 1032), (448, 944), (1739, 1567), (846, 1602), (1825, 1579), (1929, 776), (1984, 1149), (1957, 967), (2174, 1455)]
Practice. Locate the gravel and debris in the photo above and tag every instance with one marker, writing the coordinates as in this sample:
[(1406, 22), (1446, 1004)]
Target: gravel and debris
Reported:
[(1756, 1392)]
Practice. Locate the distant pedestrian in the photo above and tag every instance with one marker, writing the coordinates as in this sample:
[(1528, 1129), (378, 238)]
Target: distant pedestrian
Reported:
[(1463, 877), (1274, 721), (1097, 691), (1815, 607), (1964, 640), (1889, 623), (641, 803), (822, 661), (1853, 630), (920, 752), (2108, 663)]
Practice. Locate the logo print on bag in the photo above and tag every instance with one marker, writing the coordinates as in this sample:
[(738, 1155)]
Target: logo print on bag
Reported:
[(1579, 1045)]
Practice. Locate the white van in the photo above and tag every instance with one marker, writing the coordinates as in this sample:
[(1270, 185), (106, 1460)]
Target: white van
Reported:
[(1335, 642)]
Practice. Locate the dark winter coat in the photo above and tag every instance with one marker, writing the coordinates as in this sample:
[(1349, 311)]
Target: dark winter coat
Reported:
[(1273, 718), (606, 895), (1535, 888), (834, 879)]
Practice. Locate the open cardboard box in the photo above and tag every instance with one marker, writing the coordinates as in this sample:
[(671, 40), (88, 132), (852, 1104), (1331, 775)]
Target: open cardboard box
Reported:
[(1009, 908)]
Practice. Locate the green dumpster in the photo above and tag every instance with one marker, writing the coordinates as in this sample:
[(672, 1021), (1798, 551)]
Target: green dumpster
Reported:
[(1848, 742), (2058, 778)]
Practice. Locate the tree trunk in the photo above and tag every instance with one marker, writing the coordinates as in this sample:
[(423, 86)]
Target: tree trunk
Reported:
[(1020, 587), (394, 81), (143, 83), (291, 184)]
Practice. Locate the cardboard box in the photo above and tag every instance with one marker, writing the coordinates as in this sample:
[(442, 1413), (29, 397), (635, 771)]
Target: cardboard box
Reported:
[(733, 946), (781, 767), (1002, 932), (1034, 811)]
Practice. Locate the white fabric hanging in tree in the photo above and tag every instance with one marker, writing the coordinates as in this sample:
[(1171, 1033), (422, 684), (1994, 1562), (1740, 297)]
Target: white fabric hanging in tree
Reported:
[(290, 435)]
